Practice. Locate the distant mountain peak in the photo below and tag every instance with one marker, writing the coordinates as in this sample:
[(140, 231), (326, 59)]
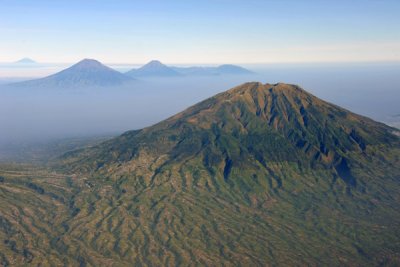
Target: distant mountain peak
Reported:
[(155, 63), (89, 61), (153, 68), (232, 69), (26, 60), (85, 73), (89, 64)]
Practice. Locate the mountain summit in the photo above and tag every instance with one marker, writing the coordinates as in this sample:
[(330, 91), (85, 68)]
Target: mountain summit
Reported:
[(88, 64), (262, 174), (85, 73), (153, 68), (307, 129), (25, 61)]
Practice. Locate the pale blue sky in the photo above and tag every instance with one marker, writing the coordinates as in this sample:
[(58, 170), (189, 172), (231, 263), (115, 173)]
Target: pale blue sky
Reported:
[(206, 31)]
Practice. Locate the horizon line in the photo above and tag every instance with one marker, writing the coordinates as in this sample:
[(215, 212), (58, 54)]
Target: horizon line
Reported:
[(207, 63)]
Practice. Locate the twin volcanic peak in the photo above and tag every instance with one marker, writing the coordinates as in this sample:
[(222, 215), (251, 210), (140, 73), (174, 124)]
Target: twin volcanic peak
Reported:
[(157, 69)]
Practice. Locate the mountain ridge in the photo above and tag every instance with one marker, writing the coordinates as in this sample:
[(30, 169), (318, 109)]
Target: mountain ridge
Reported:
[(157, 69), (225, 69)]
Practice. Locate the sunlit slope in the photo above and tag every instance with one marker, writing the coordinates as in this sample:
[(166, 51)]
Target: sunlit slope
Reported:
[(261, 175)]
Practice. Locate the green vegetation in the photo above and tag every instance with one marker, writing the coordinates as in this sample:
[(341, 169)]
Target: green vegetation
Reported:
[(259, 175)]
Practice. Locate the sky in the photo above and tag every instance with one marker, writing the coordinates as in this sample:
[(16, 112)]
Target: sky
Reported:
[(201, 32)]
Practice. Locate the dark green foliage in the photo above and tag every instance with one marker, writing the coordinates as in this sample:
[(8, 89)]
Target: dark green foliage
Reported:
[(35, 187)]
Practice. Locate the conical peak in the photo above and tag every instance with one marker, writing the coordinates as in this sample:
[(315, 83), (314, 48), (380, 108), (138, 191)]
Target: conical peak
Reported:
[(154, 63), (26, 60), (89, 63)]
